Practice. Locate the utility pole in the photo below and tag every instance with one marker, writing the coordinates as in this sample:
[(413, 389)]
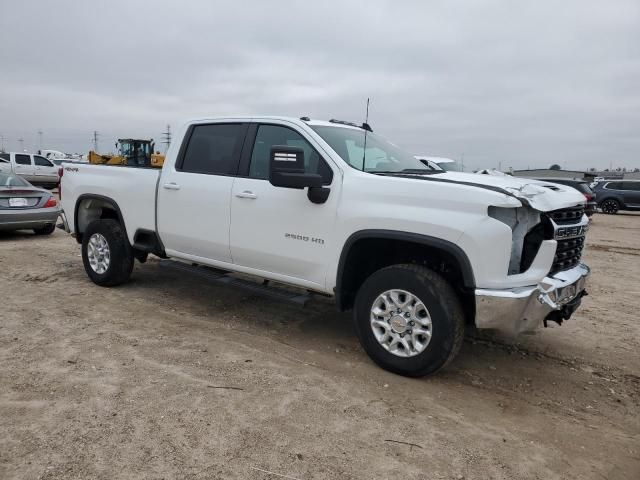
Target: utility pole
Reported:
[(1, 143), (462, 161), (40, 139), (21, 140), (166, 138), (95, 141)]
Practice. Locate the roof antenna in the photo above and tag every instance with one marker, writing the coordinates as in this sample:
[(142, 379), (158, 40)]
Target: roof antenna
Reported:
[(366, 123)]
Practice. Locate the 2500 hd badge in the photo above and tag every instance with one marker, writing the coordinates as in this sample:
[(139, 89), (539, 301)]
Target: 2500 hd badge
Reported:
[(304, 238)]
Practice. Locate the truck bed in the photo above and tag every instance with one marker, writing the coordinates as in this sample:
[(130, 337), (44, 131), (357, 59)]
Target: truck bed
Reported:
[(132, 188)]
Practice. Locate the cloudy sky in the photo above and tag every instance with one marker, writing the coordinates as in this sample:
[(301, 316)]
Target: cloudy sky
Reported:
[(517, 83)]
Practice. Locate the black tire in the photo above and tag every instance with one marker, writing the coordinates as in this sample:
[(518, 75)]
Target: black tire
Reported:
[(441, 301), (610, 206), (121, 253), (46, 230)]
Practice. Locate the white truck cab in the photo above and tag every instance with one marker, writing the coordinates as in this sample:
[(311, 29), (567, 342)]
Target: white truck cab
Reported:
[(333, 207)]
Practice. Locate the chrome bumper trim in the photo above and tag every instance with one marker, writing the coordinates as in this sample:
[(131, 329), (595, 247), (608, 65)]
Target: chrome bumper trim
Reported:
[(523, 309)]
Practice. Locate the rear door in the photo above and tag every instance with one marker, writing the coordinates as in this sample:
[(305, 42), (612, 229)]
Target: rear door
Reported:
[(23, 166), (194, 194), (631, 194), (45, 170)]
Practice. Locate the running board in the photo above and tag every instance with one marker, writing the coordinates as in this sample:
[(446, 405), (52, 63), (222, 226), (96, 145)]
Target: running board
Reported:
[(224, 278)]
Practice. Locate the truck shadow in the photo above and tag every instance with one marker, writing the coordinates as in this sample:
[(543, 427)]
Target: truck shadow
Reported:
[(318, 327)]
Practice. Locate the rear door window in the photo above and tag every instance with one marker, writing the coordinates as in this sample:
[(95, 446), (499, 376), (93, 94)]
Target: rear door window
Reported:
[(23, 159), (214, 149), (4, 157)]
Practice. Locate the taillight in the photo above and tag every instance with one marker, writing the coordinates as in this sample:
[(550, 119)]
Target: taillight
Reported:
[(60, 173), (52, 202), (588, 197)]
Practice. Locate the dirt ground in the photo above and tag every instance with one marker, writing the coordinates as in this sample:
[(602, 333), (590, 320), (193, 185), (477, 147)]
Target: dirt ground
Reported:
[(172, 377)]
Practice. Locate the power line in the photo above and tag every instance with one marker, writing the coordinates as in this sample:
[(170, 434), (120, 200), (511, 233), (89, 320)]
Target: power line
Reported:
[(40, 139), (95, 141)]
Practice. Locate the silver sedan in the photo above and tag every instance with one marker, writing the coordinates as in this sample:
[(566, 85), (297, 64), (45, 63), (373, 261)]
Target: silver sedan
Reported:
[(23, 206)]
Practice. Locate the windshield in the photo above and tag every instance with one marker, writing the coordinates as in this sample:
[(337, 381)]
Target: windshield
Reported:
[(381, 156), (12, 181)]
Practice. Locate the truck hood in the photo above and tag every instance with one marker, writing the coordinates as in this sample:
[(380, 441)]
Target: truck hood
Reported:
[(543, 196)]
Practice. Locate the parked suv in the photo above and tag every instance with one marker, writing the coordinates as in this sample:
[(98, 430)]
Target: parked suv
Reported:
[(614, 195), (583, 187)]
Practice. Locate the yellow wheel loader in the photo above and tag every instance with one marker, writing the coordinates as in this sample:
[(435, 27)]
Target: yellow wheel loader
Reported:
[(131, 152)]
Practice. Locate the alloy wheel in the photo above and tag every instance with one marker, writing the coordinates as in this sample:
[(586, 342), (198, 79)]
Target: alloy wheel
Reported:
[(401, 323)]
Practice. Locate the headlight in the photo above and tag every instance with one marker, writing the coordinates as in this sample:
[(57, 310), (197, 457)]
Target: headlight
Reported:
[(521, 221)]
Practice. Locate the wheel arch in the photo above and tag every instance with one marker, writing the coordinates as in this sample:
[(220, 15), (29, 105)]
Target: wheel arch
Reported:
[(393, 247), (90, 207)]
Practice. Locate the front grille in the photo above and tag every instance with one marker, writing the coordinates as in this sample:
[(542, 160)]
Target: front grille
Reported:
[(569, 250), (566, 216), (568, 254)]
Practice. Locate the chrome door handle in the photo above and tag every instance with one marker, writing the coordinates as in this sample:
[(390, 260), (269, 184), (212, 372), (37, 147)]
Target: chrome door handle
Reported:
[(247, 194), (171, 186)]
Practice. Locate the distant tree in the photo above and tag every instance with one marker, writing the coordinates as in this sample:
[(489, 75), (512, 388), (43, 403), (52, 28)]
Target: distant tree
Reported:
[(592, 169), (555, 166), (636, 169), (606, 169)]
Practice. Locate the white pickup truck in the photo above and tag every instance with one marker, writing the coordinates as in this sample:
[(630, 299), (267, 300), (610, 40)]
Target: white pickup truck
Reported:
[(35, 169), (417, 253)]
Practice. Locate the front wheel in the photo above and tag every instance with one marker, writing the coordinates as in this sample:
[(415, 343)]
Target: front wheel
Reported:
[(610, 206), (409, 320), (106, 253)]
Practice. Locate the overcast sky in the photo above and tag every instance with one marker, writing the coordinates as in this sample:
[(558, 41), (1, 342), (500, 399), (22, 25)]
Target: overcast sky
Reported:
[(521, 83)]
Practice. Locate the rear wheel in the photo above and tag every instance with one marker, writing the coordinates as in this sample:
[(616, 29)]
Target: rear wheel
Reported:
[(106, 253), (610, 206), (409, 320), (46, 230)]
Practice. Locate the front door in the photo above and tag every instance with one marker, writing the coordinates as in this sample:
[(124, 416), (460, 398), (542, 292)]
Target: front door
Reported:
[(45, 170), (278, 230), (194, 194)]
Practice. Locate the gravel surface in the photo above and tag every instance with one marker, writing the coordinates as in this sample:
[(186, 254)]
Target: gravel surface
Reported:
[(169, 376)]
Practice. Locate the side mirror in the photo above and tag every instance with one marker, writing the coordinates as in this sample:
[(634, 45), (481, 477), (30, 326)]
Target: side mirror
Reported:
[(286, 169)]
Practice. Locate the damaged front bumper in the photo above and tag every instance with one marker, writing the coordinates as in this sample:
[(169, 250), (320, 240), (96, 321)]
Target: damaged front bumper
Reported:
[(524, 309)]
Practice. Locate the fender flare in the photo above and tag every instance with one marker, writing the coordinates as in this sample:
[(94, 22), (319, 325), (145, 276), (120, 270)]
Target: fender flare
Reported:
[(449, 247), (102, 198)]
